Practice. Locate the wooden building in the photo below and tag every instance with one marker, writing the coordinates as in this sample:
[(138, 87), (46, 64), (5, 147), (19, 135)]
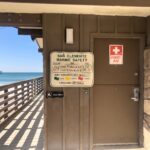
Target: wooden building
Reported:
[(110, 113)]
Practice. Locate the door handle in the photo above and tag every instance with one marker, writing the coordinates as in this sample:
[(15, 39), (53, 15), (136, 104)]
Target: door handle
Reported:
[(136, 94)]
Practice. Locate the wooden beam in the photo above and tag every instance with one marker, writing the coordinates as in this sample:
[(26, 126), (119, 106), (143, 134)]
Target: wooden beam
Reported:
[(40, 50), (148, 32), (88, 2), (33, 38), (36, 33), (20, 20)]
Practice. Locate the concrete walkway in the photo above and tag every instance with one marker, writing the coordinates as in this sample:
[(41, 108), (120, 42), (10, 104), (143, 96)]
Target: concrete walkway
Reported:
[(25, 131)]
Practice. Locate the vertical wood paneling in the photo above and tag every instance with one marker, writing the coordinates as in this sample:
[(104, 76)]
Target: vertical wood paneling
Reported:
[(148, 32), (54, 32), (54, 120), (72, 137), (124, 24), (67, 121), (52, 40), (139, 25), (71, 102), (84, 118), (107, 24), (52, 108), (71, 21), (89, 25)]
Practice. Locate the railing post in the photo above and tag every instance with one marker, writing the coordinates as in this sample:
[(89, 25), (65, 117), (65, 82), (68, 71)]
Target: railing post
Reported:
[(28, 90), (37, 86), (23, 95), (29, 86), (42, 82), (6, 103), (16, 102), (33, 87)]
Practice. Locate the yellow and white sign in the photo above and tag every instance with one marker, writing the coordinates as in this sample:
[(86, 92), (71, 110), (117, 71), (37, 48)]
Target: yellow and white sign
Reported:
[(72, 69)]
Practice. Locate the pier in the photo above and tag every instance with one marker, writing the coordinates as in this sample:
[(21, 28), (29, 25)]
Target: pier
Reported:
[(21, 115)]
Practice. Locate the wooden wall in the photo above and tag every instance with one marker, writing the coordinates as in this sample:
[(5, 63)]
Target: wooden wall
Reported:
[(67, 124)]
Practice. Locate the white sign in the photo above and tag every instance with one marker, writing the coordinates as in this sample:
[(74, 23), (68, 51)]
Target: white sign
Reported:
[(72, 69), (69, 35), (115, 54)]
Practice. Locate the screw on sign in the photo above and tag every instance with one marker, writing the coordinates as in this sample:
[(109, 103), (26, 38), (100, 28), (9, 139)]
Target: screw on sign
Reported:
[(115, 54)]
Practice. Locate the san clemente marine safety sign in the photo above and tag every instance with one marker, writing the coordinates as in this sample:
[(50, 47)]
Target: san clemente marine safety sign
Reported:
[(72, 69)]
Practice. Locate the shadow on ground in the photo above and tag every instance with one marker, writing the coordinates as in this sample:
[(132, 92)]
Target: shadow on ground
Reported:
[(25, 131)]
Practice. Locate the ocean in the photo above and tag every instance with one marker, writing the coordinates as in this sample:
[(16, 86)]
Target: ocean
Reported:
[(7, 78)]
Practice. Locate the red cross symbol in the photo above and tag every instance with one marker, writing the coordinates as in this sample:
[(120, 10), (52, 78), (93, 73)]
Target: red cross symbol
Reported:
[(116, 49)]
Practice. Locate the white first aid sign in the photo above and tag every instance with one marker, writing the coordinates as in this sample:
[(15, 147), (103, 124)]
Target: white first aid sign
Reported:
[(115, 54)]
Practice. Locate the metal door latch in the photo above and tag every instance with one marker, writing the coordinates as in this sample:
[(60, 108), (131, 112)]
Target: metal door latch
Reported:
[(136, 94)]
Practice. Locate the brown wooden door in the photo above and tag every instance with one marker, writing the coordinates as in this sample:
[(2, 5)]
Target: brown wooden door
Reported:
[(115, 114)]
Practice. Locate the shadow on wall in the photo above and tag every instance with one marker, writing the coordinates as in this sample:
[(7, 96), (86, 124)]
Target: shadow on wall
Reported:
[(147, 114), (147, 121)]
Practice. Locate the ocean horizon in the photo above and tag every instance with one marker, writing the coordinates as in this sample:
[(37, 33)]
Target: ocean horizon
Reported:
[(12, 77)]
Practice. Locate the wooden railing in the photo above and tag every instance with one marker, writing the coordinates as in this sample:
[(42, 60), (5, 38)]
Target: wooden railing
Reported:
[(14, 96)]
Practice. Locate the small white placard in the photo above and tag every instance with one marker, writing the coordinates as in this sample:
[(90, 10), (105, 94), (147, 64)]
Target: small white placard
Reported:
[(69, 35), (115, 54), (72, 69)]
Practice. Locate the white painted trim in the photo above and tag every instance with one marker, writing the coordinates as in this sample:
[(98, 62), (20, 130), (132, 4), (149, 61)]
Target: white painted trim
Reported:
[(73, 9)]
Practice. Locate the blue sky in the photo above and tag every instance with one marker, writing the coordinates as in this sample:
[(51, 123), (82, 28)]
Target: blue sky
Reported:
[(18, 53)]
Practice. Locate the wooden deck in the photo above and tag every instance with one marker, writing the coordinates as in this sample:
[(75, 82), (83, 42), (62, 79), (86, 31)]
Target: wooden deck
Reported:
[(25, 130)]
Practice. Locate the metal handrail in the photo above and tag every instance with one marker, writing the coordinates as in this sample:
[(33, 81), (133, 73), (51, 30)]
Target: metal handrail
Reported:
[(16, 95)]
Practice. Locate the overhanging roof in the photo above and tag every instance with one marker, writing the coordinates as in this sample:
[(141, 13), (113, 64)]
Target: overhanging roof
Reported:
[(11, 7), (88, 2)]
